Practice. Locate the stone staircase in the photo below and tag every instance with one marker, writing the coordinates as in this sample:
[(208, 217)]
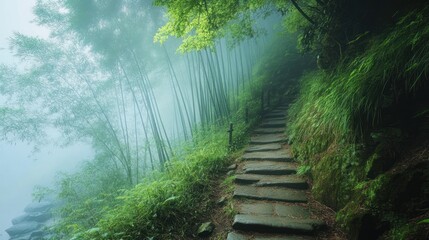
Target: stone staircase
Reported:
[(270, 199)]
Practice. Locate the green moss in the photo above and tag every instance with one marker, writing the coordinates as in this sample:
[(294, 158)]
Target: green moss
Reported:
[(401, 232), (349, 217), (335, 175), (405, 229)]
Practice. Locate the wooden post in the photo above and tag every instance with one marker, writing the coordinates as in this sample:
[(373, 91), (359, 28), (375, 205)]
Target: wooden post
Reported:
[(230, 135), (269, 99), (246, 115), (262, 101)]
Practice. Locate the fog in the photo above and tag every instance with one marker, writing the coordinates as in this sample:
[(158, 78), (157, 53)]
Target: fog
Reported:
[(112, 98), (20, 168)]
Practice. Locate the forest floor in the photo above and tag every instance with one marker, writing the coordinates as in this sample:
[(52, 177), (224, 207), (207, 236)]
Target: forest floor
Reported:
[(262, 197)]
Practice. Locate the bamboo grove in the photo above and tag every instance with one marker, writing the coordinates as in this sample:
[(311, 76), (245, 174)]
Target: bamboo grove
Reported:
[(94, 79)]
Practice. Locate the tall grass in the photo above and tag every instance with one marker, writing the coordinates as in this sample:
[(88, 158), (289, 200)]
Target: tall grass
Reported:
[(338, 112), (351, 100), (167, 205)]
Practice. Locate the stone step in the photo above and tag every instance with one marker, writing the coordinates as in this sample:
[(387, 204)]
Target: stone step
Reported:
[(276, 224), (264, 147), (270, 119), (282, 155), (279, 110), (269, 167), (275, 115), (272, 209), (268, 138), (288, 181), (273, 124), (269, 130), (259, 236), (269, 193)]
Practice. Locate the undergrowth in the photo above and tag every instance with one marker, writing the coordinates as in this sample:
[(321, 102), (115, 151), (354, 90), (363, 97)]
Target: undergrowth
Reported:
[(169, 205), (345, 120)]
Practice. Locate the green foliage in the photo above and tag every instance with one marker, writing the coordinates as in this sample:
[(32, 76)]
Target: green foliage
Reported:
[(196, 22), (282, 66), (201, 23), (95, 51), (16, 123), (87, 195), (343, 105), (228, 184), (424, 221), (304, 170), (168, 205), (401, 232), (346, 119)]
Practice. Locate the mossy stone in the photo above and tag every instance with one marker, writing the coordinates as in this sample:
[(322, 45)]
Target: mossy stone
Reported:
[(205, 229)]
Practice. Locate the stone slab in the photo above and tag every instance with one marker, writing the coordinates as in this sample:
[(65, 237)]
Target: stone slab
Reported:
[(268, 138), (264, 147), (273, 209), (288, 181), (279, 110), (276, 118), (38, 207), (23, 228), (269, 167), (269, 193), (275, 224), (275, 114), (269, 130), (256, 236), (280, 155), (273, 123)]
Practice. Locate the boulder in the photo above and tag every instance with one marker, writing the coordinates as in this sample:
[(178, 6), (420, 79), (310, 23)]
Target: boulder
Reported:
[(22, 237), (40, 217), (23, 228), (232, 167), (29, 217), (38, 207), (20, 219), (37, 234)]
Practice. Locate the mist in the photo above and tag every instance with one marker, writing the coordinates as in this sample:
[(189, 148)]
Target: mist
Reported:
[(87, 93)]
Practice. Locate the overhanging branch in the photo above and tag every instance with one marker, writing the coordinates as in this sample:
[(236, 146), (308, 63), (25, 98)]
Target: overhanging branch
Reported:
[(295, 4)]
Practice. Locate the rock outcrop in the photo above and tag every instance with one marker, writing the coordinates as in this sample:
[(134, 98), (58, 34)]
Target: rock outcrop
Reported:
[(31, 225)]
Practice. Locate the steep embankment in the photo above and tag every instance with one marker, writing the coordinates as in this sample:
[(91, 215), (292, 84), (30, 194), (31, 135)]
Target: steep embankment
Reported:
[(362, 130)]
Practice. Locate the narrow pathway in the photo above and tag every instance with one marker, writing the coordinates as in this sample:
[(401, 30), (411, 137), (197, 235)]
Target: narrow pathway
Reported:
[(270, 198)]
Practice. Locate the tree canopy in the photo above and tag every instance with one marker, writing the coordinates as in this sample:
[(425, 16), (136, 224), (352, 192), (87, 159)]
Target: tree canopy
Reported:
[(200, 23)]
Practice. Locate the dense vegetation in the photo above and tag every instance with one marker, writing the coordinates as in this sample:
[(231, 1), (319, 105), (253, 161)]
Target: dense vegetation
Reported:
[(170, 204), (354, 125), (93, 80), (358, 122)]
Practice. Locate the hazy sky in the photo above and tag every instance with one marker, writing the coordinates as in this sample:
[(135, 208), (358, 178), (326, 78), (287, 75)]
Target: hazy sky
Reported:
[(20, 170), (16, 16)]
